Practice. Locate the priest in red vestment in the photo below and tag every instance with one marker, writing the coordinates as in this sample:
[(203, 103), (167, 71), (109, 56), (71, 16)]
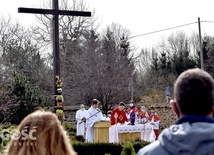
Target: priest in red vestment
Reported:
[(118, 115)]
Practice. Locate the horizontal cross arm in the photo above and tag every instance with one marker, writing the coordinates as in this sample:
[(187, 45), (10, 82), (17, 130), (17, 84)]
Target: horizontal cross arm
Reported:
[(50, 11), (74, 13), (35, 11)]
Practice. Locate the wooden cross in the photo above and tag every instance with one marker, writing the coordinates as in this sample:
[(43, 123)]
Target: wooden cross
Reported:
[(55, 12)]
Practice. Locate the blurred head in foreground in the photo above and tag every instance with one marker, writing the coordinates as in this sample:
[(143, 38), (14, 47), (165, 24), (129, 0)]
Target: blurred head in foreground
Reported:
[(40, 133)]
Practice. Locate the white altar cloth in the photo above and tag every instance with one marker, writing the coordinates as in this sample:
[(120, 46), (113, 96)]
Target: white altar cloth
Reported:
[(146, 131)]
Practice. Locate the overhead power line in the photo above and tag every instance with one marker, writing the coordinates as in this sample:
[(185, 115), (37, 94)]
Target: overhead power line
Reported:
[(209, 21), (163, 30)]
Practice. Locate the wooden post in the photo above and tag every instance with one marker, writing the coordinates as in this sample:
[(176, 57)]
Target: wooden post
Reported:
[(201, 50)]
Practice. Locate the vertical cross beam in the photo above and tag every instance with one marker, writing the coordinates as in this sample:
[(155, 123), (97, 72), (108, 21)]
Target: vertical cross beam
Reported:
[(55, 34), (55, 23)]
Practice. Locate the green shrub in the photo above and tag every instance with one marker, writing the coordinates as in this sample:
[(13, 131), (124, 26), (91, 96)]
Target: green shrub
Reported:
[(128, 149), (138, 144), (92, 148), (97, 148), (1, 149), (3, 143), (108, 148), (80, 138), (71, 130)]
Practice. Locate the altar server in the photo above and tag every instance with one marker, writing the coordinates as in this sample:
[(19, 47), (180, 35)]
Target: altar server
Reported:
[(142, 115), (131, 109), (154, 120), (81, 115)]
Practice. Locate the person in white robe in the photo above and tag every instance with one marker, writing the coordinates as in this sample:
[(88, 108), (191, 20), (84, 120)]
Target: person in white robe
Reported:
[(81, 115), (95, 115), (154, 120)]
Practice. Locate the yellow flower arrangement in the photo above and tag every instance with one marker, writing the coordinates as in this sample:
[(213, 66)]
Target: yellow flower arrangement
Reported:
[(59, 100), (59, 112), (58, 82)]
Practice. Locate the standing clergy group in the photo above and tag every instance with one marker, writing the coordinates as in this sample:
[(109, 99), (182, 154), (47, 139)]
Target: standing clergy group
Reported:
[(86, 119)]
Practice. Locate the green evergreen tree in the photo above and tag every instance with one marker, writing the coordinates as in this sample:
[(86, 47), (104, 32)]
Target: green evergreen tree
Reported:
[(21, 98), (209, 62), (154, 61)]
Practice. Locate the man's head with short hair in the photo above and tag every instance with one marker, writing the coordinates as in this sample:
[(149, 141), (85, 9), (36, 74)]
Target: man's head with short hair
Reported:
[(121, 106), (194, 93), (95, 103)]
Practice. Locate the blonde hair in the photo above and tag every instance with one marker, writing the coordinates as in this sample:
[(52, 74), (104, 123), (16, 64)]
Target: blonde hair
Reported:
[(49, 138)]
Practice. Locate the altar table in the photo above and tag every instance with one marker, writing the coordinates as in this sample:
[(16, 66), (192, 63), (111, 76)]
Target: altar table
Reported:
[(120, 133)]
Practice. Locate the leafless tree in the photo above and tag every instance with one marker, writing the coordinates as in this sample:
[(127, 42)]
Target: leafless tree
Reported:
[(70, 27), (165, 58), (19, 52), (98, 66)]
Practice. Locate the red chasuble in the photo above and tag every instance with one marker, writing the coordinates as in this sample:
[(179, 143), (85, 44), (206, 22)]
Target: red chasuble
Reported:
[(136, 110), (155, 117), (142, 114), (118, 116)]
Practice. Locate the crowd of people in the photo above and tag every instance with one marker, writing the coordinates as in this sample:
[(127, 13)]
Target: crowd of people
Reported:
[(192, 134), (119, 115), (133, 115), (193, 104)]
